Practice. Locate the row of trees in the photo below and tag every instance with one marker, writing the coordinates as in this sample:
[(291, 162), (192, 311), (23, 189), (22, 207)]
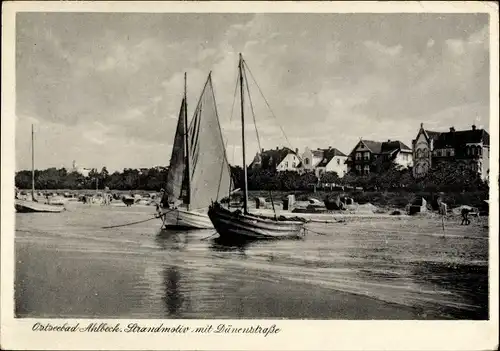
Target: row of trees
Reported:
[(129, 179), (443, 177)]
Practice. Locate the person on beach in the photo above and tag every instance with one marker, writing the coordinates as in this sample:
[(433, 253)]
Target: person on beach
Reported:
[(164, 199), (465, 214)]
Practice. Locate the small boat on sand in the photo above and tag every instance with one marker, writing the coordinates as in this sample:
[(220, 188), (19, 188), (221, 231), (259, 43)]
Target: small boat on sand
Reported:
[(26, 206)]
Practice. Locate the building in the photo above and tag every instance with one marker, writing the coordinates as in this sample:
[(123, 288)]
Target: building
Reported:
[(469, 146), (368, 154), (281, 160), (83, 171), (320, 161)]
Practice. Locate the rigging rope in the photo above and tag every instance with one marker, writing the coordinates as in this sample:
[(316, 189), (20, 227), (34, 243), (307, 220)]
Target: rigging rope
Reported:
[(251, 108), (145, 220), (267, 103), (255, 124), (208, 237), (123, 225), (314, 232)]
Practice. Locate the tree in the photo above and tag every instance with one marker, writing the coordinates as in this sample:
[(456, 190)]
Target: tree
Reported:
[(453, 176), (307, 180), (130, 178), (329, 178), (74, 180), (23, 179)]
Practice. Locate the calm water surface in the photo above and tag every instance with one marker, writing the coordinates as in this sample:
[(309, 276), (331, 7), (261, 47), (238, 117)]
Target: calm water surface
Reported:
[(67, 265)]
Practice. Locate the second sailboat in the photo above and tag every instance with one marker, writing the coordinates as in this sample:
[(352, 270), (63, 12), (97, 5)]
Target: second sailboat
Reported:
[(198, 165)]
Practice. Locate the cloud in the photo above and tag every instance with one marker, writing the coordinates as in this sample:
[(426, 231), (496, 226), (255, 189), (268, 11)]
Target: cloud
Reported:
[(382, 49), (329, 78)]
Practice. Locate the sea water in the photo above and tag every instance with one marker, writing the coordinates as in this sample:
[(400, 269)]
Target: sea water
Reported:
[(68, 265)]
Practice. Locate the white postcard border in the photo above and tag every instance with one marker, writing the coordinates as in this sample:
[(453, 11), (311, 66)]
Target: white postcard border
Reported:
[(294, 334)]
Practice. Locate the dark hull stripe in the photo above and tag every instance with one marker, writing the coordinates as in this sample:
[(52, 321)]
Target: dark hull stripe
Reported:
[(231, 225)]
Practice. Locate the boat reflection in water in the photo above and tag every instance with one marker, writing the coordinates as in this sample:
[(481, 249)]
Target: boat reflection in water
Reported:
[(221, 244), (173, 298), (172, 240), (190, 282)]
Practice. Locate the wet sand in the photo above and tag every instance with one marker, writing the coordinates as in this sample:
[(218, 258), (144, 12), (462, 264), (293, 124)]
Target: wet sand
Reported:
[(385, 269)]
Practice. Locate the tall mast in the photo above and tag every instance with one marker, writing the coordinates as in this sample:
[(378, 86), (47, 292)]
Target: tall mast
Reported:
[(245, 186), (32, 163), (186, 140)]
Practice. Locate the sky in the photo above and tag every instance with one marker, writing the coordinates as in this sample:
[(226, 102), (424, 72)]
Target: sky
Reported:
[(105, 89)]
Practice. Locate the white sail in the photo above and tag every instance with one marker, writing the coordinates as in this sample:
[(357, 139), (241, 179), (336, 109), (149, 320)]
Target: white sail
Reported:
[(210, 171)]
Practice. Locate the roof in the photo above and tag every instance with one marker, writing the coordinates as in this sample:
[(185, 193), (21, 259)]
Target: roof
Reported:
[(385, 147), (374, 146), (458, 139), (272, 158), (318, 152), (328, 154), (432, 135), (390, 146)]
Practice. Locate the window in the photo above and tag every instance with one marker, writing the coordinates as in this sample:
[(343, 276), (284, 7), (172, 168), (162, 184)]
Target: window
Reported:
[(366, 170), (358, 168), (359, 155), (452, 152), (448, 153), (293, 165), (338, 161), (367, 156), (286, 164), (306, 161)]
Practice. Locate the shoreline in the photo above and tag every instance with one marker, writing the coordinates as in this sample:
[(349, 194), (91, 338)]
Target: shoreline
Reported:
[(284, 298)]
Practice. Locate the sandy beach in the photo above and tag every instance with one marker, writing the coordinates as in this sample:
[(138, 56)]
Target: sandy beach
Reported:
[(375, 268)]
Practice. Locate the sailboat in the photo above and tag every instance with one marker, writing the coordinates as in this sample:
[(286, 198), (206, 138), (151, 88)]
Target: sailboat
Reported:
[(33, 205), (242, 225), (198, 165)]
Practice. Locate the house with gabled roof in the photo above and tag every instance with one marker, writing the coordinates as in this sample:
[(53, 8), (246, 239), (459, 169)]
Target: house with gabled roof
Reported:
[(469, 146), (364, 156), (320, 161), (279, 159)]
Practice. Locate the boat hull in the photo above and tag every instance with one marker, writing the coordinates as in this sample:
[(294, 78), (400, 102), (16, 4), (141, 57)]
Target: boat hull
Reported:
[(236, 226), (23, 206), (181, 218)]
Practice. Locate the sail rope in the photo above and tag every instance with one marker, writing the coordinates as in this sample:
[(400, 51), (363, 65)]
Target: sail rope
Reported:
[(267, 103), (208, 237), (137, 222), (255, 125), (127, 224), (251, 109)]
